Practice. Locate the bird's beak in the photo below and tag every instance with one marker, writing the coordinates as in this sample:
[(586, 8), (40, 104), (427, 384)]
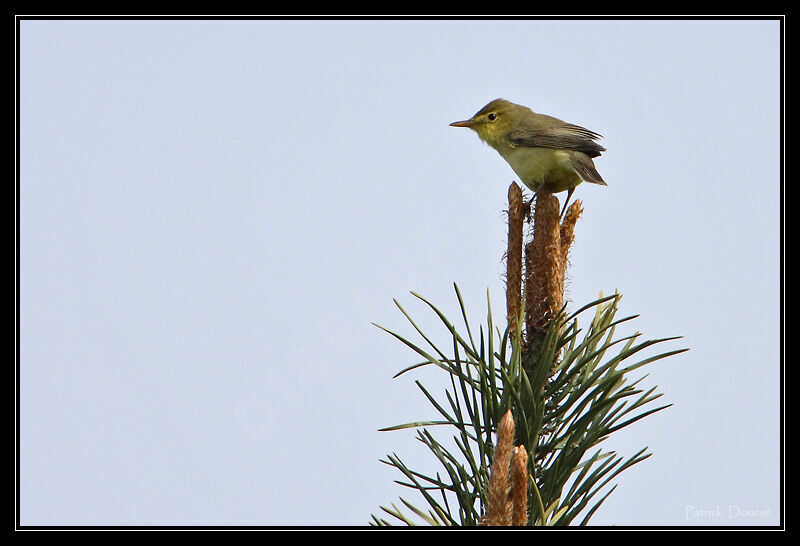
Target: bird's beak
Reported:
[(465, 123)]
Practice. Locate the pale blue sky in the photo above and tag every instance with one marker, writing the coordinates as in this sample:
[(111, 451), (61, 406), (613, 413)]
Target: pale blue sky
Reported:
[(213, 212)]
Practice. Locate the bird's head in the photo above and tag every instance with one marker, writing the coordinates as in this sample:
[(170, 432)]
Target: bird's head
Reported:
[(494, 121)]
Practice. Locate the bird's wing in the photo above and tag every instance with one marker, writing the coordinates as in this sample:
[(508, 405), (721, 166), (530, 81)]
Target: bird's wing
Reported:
[(563, 136)]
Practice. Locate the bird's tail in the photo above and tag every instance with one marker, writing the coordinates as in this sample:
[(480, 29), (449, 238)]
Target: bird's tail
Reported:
[(585, 168)]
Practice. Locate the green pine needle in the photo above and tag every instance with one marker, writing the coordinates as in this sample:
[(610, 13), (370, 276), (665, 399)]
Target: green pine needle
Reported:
[(575, 395)]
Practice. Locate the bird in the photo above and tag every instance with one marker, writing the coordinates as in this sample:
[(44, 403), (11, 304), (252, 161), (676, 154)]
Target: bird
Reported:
[(546, 153)]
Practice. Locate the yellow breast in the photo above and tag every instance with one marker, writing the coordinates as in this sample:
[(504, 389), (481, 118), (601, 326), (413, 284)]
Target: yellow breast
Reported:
[(544, 168)]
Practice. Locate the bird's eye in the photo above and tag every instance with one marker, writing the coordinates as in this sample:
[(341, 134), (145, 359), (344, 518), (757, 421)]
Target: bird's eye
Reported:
[(492, 116)]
